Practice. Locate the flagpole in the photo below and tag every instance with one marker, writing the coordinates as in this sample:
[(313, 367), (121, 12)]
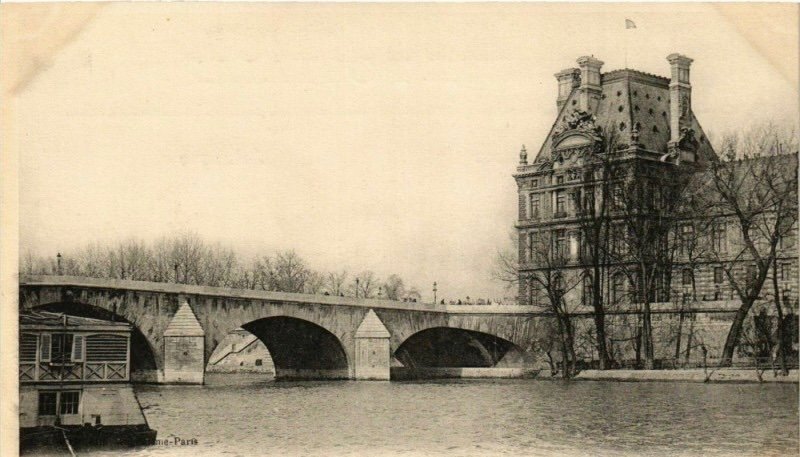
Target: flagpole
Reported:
[(626, 43), (626, 48), (629, 24)]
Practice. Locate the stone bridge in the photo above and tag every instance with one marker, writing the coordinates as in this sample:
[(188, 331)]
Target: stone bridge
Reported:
[(177, 327)]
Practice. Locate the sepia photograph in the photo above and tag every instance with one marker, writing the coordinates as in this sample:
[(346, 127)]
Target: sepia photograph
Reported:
[(399, 229)]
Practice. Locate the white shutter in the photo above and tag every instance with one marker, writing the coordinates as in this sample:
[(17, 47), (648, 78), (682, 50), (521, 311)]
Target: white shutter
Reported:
[(77, 348), (44, 347)]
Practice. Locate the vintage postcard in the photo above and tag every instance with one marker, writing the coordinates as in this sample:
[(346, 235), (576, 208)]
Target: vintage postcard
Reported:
[(435, 229)]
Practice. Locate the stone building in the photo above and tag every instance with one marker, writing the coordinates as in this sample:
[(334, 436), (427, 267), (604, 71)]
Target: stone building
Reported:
[(613, 128), (241, 351)]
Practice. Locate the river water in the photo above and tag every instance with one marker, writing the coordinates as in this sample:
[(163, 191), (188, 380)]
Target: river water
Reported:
[(246, 416)]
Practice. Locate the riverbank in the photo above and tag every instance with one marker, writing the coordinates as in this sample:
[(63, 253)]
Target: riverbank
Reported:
[(689, 375), (715, 375)]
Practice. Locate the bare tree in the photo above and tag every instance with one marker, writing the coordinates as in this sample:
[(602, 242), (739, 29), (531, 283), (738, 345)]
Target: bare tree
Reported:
[(33, 265), (187, 254), (163, 267), (694, 239), (315, 283), (94, 260), (553, 280), (780, 327), (754, 184), (246, 275), (592, 203), (218, 266), (547, 340), (289, 272), (394, 288), (756, 341), (646, 199), (129, 260), (335, 282), (365, 284), (506, 263), (412, 294)]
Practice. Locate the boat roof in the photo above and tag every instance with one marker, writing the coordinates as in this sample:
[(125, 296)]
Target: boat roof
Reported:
[(29, 320)]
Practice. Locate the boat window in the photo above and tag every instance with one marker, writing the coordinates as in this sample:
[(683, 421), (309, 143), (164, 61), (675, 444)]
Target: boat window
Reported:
[(47, 403), (69, 402)]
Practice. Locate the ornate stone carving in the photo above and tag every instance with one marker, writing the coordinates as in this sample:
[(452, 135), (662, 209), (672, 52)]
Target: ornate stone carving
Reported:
[(562, 155), (684, 106), (578, 120)]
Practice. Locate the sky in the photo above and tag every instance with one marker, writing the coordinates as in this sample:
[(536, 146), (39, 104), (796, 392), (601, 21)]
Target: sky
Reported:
[(364, 136)]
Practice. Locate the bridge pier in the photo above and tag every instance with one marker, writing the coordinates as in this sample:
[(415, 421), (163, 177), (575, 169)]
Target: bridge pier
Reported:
[(184, 344), (373, 355)]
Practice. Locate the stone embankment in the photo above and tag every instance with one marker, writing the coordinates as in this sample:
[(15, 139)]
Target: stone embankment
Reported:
[(688, 375)]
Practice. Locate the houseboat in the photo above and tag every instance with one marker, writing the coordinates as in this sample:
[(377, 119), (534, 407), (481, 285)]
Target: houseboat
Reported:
[(74, 383)]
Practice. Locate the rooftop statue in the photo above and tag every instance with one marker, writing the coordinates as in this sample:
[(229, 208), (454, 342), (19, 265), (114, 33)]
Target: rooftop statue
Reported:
[(687, 141)]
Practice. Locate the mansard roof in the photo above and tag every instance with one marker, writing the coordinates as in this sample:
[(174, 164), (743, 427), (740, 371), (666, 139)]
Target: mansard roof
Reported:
[(628, 99)]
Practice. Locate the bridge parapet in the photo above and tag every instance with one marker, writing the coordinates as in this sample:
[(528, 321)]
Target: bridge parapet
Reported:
[(716, 306), (187, 289)]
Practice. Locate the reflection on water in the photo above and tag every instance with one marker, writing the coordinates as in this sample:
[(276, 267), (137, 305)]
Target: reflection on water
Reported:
[(249, 416)]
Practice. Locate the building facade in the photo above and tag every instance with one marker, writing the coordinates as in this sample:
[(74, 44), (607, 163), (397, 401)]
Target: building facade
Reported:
[(625, 145), (241, 351)]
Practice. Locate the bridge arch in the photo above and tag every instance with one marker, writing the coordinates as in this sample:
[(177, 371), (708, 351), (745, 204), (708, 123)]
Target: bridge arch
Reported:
[(301, 349), (453, 347), (145, 359)]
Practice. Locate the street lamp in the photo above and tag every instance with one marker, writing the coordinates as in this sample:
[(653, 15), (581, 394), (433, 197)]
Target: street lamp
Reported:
[(357, 287), (58, 263), (434, 292)]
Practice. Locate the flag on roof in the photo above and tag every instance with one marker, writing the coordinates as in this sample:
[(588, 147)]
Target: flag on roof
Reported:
[(629, 24)]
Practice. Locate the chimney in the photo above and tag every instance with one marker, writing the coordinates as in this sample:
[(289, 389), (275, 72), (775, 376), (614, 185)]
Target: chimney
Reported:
[(680, 96), (567, 80), (590, 82)]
